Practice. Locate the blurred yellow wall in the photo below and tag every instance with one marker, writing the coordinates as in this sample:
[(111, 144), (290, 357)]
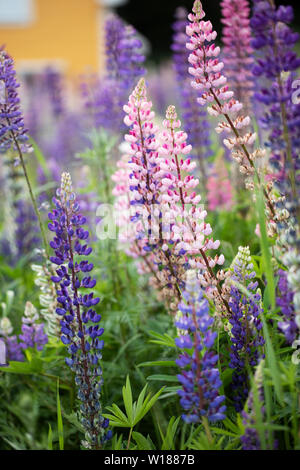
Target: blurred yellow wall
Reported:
[(63, 31)]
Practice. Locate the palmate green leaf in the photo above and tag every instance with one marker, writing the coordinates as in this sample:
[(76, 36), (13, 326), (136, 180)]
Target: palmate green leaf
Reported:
[(134, 411), (117, 417), (147, 405), (143, 443)]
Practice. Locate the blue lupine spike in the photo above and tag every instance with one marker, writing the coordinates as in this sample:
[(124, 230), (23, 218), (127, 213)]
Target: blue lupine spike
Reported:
[(78, 333), (199, 378)]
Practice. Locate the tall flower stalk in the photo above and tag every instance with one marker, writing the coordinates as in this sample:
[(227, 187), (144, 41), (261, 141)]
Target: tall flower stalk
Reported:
[(124, 65), (194, 117), (246, 325), (166, 212), (200, 378), (212, 89), (80, 329), (13, 134), (275, 66)]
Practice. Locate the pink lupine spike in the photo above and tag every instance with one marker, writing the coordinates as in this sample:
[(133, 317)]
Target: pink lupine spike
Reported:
[(206, 70), (188, 230), (237, 51)]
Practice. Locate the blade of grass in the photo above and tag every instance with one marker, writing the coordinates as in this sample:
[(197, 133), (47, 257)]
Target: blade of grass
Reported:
[(59, 420)]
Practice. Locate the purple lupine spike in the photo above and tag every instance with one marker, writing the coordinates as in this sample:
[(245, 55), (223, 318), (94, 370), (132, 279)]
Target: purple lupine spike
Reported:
[(288, 325), (80, 329), (124, 65), (12, 129), (275, 67), (123, 58), (32, 333), (194, 116), (53, 84), (200, 378), (246, 326)]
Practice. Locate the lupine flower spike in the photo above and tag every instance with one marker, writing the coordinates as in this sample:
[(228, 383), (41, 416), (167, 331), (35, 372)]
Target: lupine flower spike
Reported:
[(200, 378), (80, 329), (13, 134), (246, 325), (212, 90), (32, 332), (194, 117)]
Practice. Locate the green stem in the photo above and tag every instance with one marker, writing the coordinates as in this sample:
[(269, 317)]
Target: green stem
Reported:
[(207, 429), (129, 438), (31, 193)]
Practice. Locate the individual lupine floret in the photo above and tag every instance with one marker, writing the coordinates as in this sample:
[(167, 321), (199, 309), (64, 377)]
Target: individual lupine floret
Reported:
[(80, 329), (194, 117), (246, 325), (12, 129), (33, 335), (12, 346), (200, 378), (212, 90), (237, 50)]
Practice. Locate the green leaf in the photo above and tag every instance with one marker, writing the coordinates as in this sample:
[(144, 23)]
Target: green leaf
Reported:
[(164, 340), (60, 428), (142, 442), (163, 378), (266, 255), (147, 405), (157, 363), (168, 440), (50, 438), (127, 397)]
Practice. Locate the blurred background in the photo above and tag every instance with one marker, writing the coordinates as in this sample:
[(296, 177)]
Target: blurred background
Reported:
[(69, 34)]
